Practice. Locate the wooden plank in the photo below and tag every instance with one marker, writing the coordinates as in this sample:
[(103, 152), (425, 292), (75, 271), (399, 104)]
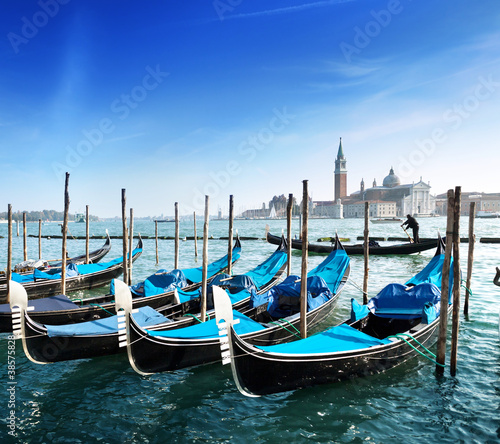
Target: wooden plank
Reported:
[(443, 317), (303, 275)]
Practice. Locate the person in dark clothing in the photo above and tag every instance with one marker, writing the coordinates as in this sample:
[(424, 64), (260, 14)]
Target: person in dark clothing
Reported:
[(412, 223), (496, 280)]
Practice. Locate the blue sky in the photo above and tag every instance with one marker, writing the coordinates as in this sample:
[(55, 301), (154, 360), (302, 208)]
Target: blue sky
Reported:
[(173, 100)]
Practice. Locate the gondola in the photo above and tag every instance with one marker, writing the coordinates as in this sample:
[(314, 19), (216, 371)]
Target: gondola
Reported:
[(52, 343), (265, 319), (41, 284), (60, 309), (381, 335), (94, 258), (407, 248)]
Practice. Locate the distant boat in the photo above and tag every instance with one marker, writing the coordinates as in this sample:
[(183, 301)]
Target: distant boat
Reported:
[(80, 217), (386, 220), (485, 214)]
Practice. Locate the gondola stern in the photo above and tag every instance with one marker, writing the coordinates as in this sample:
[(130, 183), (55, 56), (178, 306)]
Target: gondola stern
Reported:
[(18, 299), (124, 310), (337, 245), (225, 322), (441, 245)]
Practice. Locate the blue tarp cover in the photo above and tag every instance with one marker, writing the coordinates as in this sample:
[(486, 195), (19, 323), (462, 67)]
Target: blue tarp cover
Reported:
[(22, 278), (146, 317), (400, 302), (332, 269), (158, 283), (283, 299), (195, 274), (209, 329), (433, 273), (358, 311), (92, 268), (71, 270), (261, 274), (59, 302), (337, 339)]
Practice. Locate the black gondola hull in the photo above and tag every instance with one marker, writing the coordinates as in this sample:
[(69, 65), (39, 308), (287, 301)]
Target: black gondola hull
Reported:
[(95, 308), (408, 248), (43, 349), (153, 354), (94, 258), (258, 373)]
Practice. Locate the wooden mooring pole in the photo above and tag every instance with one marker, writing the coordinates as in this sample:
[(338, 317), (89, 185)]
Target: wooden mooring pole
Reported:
[(366, 252), (456, 284), (230, 237), (87, 235), (65, 235), (176, 254), (39, 238), (156, 242), (130, 246), (203, 310), (289, 209), (445, 287), (9, 249), (195, 238), (303, 274), (25, 238), (470, 258), (125, 236)]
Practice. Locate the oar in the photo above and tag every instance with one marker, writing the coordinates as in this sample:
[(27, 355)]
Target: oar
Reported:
[(409, 237)]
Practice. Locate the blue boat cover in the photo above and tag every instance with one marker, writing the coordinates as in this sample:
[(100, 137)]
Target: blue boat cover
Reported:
[(337, 339), (430, 313), (237, 287), (22, 278), (358, 311), (146, 317), (195, 274), (332, 269), (433, 273), (92, 268), (284, 299), (261, 274), (59, 302), (236, 283), (400, 302), (160, 282), (209, 329), (71, 270)]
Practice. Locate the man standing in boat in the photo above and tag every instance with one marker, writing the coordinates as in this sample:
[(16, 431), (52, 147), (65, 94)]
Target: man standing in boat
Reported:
[(412, 223)]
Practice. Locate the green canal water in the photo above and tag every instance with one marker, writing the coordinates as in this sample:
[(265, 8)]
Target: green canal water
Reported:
[(104, 400)]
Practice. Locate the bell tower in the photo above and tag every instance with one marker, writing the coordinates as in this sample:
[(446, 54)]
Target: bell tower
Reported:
[(340, 174)]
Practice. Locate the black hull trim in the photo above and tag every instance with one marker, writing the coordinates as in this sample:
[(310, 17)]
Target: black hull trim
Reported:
[(96, 307), (152, 354), (409, 248), (259, 373)]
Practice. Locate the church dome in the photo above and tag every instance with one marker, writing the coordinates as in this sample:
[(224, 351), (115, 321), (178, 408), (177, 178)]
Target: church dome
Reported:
[(391, 180)]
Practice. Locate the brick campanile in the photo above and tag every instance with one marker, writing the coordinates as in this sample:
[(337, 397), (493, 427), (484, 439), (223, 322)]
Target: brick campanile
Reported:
[(340, 187)]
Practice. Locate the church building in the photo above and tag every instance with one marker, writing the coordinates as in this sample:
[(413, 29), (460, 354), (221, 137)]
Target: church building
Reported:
[(391, 199)]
